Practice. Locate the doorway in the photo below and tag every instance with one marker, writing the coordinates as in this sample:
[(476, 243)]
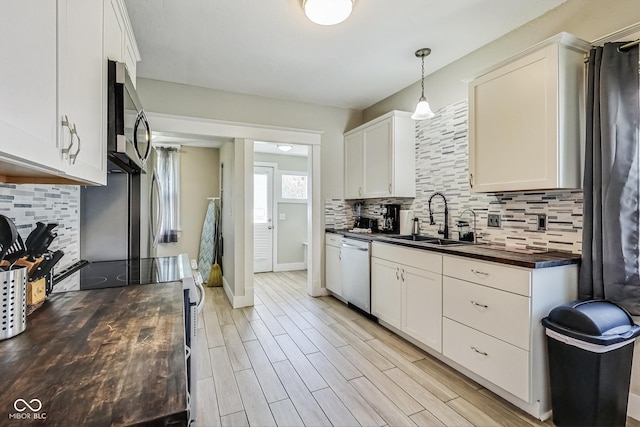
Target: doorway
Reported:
[(281, 207), (262, 219)]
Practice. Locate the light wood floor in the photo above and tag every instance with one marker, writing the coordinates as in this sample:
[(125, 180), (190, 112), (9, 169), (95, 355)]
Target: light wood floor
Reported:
[(294, 360)]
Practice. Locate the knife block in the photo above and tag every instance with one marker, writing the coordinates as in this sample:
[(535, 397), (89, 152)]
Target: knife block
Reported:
[(36, 291)]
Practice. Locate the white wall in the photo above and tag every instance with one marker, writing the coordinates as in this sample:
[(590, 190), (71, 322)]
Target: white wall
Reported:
[(171, 98), (227, 162), (587, 19), (199, 179)]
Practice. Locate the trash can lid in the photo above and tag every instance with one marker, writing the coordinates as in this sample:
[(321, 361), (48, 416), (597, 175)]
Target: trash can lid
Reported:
[(596, 321)]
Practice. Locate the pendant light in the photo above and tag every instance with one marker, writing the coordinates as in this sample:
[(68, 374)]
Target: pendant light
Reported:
[(327, 12), (423, 111)]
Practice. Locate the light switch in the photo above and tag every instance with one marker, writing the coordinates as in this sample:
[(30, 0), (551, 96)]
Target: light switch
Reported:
[(282, 217)]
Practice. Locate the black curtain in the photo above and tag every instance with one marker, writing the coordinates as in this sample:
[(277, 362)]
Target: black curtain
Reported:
[(610, 237)]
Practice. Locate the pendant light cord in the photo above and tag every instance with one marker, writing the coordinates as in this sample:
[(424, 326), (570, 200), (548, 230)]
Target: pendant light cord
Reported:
[(422, 77)]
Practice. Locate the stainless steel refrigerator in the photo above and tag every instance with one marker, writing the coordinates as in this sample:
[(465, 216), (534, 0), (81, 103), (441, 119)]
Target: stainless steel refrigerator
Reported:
[(116, 220)]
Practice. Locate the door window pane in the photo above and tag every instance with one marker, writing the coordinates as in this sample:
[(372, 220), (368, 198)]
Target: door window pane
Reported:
[(294, 187), (260, 203)]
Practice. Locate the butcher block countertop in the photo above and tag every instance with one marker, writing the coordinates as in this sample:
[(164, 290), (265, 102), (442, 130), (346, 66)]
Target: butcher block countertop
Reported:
[(98, 358), (484, 252)]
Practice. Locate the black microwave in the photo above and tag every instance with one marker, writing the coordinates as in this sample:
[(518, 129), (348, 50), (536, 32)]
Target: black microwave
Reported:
[(128, 132)]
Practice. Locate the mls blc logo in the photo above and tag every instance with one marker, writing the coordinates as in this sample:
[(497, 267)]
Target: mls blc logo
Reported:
[(28, 410)]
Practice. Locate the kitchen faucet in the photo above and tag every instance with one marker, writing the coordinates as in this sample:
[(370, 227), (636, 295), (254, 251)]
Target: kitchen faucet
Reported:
[(446, 215)]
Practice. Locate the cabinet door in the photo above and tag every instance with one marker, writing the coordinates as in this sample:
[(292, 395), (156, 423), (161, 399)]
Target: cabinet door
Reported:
[(82, 87), (386, 292), (378, 159), (513, 125), (353, 166), (333, 270), (114, 31), (422, 302), (28, 95)]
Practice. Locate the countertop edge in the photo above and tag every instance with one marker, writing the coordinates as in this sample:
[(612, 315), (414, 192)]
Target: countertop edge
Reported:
[(533, 261)]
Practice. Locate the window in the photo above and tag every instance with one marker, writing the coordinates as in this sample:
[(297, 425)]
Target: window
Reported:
[(294, 186)]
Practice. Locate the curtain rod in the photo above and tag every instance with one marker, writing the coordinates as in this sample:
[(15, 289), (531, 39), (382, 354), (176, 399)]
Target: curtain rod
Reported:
[(623, 47), (628, 45)]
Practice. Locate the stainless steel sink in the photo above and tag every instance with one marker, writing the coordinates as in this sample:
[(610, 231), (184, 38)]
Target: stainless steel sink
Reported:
[(430, 239)]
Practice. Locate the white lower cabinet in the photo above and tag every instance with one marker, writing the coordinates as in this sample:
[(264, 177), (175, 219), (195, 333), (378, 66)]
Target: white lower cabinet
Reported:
[(333, 264), (481, 317), (492, 328), (505, 365), (422, 303), (406, 291), (386, 292)]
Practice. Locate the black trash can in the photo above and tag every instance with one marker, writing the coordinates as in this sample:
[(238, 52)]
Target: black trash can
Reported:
[(590, 345)]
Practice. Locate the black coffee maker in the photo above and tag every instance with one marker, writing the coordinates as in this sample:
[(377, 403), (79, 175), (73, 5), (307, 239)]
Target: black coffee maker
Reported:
[(391, 219)]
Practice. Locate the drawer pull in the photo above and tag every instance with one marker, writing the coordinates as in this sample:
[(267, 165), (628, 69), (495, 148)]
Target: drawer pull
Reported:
[(397, 271), (481, 273), (477, 304), (479, 352), (402, 274)]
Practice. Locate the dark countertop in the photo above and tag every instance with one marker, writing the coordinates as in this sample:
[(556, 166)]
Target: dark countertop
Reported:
[(476, 251), (98, 358)]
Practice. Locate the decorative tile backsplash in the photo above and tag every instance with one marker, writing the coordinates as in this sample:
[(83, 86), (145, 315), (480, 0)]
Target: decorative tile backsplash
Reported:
[(26, 204), (442, 149)]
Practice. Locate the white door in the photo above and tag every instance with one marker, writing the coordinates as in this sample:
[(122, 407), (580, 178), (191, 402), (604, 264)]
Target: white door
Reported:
[(262, 219)]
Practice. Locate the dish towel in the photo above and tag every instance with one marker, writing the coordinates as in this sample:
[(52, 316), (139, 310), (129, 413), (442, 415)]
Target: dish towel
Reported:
[(205, 258)]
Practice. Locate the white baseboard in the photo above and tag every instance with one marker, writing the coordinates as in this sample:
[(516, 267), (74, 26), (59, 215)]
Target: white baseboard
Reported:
[(290, 266), (238, 301), (633, 410)]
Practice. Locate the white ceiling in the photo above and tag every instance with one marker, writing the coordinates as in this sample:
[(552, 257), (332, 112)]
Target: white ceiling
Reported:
[(269, 48)]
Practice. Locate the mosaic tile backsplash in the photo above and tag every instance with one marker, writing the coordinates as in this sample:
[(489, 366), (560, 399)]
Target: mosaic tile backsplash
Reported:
[(26, 204), (442, 149)]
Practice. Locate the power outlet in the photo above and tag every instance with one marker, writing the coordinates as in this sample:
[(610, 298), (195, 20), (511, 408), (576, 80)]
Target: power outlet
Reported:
[(493, 220), (542, 221)]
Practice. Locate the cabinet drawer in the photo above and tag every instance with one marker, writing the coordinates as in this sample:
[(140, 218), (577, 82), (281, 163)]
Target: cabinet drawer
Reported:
[(511, 279), (498, 313), (503, 364), (417, 258), (332, 239)]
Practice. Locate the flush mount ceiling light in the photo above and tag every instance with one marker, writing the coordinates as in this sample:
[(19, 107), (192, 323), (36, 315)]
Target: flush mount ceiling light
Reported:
[(285, 147), (327, 12), (423, 111)]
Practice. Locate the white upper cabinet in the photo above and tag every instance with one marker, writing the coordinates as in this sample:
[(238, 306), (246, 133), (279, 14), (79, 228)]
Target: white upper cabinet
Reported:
[(380, 158), (82, 97), (53, 90), (119, 40), (354, 166), (28, 89), (526, 119)]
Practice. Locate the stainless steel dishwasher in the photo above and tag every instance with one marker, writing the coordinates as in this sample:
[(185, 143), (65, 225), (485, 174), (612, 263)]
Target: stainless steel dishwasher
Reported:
[(356, 272)]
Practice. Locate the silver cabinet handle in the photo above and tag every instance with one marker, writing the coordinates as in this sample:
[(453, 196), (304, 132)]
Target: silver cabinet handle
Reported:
[(482, 273), (74, 131), (269, 227), (471, 180), (340, 255), (389, 188), (359, 191), (477, 304), (397, 273), (402, 275), (66, 123), (479, 352)]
